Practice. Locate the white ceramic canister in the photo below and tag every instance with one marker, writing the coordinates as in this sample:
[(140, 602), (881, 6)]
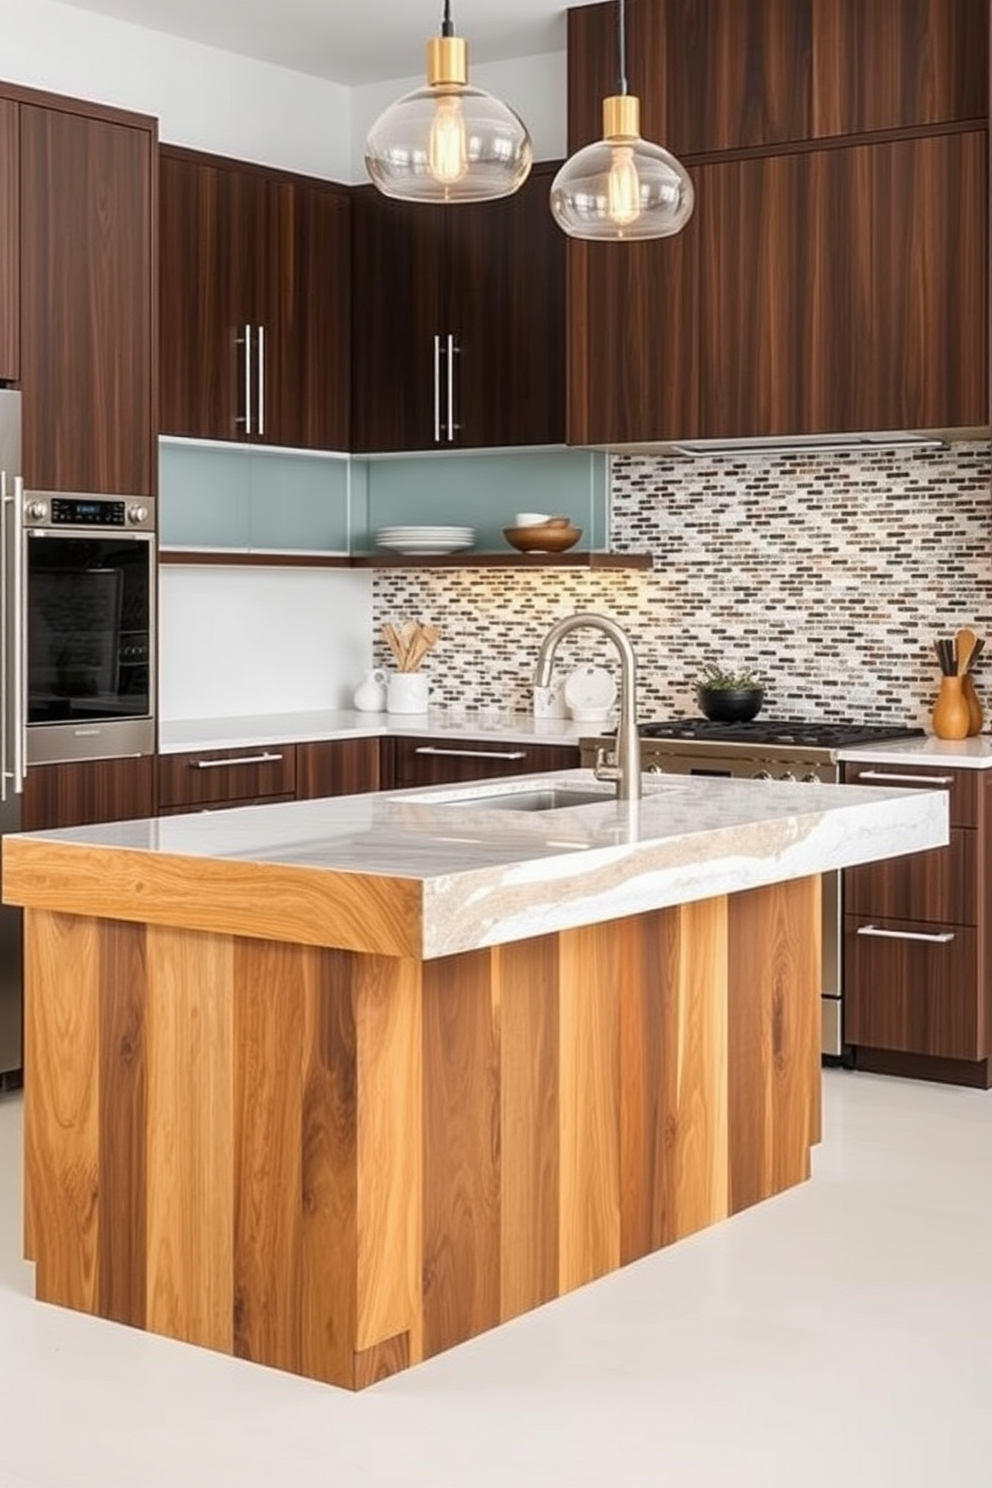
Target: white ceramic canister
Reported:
[(407, 692), (370, 694)]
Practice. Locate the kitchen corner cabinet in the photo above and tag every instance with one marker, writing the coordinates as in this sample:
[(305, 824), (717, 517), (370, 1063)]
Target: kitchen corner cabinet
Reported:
[(411, 760), (917, 973), (10, 243), (255, 303), (87, 295), (79, 794), (459, 322)]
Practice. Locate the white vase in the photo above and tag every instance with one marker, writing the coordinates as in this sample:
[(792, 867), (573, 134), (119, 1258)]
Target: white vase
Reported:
[(370, 694), (407, 692)]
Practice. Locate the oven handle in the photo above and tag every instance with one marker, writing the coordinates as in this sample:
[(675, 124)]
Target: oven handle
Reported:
[(942, 937), (892, 775), (18, 639)]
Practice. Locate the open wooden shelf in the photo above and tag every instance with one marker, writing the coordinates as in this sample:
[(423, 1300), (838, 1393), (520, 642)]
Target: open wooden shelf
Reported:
[(219, 557)]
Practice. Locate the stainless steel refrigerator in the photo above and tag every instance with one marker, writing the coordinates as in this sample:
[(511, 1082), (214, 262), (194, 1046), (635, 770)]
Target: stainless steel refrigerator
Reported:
[(11, 724)]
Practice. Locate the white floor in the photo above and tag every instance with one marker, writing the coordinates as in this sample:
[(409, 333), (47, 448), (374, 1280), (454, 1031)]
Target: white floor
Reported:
[(841, 1334)]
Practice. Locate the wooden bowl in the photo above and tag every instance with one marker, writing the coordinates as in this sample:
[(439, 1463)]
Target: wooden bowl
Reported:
[(542, 539)]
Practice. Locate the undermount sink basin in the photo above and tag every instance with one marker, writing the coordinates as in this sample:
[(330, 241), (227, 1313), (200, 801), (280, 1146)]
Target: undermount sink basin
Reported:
[(537, 798)]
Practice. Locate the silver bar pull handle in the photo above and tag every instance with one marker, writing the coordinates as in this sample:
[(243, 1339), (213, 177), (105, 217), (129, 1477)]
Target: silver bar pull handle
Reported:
[(243, 759), (905, 779), (941, 937), (496, 754), (452, 350), (19, 646), (261, 379), (245, 341), (437, 389), (4, 640)]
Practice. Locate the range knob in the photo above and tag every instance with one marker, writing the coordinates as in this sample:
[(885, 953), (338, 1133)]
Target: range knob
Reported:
[(787, 776), (137, 513), (36, 511), (762, 775), (655, 770), (811, 778)]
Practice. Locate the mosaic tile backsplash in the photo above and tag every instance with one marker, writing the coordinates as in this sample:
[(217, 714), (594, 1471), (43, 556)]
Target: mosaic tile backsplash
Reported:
[(827, 574)]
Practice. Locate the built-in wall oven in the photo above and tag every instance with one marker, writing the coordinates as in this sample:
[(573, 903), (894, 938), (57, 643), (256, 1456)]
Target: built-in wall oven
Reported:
[(774, 749)]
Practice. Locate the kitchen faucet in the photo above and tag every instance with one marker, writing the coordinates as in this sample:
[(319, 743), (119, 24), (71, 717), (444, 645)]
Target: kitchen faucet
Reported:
[(626, 766)]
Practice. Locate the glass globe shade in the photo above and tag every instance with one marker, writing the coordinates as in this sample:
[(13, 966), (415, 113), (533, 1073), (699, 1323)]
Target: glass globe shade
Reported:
[(448, 143), (624, 188)]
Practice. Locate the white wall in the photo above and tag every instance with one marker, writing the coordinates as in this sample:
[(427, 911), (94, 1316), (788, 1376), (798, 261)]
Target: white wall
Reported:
[(203, 97)]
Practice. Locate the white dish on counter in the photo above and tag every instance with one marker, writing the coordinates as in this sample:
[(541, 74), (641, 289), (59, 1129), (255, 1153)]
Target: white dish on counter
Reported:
[(592, 690)]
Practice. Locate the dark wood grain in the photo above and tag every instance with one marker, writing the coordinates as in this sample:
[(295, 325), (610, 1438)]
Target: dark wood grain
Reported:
[(381, 1360), (918, 997), (967, 796), (87, 306), (976, 1073), (123, 1114), (182, 783), (939, 886), (74, 795), (337, 767), (472, 759), (461, 1282), (890, 64), (10, 242)]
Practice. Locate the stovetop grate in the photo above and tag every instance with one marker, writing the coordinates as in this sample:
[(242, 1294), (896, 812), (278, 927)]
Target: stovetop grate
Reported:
[(779, 731)]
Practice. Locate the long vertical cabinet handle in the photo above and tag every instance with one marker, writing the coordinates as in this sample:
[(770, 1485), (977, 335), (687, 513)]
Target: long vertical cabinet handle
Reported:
[(452, 349), (261, 379), (19, 648), (437, 389), (245, 340), (4, 638)]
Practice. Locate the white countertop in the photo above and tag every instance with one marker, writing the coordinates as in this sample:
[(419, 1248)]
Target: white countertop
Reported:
[(178, 736), (488, 875), (957, 754)]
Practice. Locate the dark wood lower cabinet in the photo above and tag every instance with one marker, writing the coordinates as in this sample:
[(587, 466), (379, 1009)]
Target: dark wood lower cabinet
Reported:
[(911, 988), (337, 767), (203, 778), (446, 761), (75, 795)]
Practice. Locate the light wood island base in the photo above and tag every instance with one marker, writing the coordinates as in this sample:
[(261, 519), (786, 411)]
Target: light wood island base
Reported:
[(339, 1163)]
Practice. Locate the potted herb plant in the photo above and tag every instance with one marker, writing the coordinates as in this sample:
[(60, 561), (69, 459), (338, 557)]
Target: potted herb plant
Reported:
[(729, 697)]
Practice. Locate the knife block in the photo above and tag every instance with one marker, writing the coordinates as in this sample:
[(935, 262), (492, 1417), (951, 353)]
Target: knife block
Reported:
[(951, 712)]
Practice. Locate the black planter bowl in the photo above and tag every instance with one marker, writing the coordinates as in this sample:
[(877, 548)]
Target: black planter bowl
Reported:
[(730, 704)]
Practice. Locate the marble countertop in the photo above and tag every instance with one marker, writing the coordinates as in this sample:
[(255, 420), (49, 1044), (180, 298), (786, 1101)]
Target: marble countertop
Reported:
[(957, 754), (481, 874), (178, 735)]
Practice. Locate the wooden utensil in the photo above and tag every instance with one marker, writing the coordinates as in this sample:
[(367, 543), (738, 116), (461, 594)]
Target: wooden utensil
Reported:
[(964, 645)]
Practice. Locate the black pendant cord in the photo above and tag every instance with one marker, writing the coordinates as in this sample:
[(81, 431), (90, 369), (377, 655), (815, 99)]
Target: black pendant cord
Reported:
[(447, 26), (622, 44)]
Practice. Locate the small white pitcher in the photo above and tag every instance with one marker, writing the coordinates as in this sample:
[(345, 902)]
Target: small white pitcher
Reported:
[(370, 694)]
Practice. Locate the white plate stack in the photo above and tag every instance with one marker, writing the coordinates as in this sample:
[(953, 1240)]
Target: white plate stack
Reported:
[(425, 540)]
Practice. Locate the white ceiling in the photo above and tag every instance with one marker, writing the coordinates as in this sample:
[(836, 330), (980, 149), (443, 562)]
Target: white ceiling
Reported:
[(350, 41)]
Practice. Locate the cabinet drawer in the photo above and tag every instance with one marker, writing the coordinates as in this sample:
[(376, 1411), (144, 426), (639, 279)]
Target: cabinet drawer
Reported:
[(215, 776), (940, 885), (961, 785), (914, 995), (445, 761)]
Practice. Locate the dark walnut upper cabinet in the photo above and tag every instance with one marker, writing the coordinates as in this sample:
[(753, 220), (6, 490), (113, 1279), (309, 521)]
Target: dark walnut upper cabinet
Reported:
[(10, 243), (87, 299), (255, 303), (459, 322)]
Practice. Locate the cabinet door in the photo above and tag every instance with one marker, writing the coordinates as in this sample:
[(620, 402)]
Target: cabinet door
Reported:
[(504, 279), (445, 761), (397, 344), (10, 242), (306, 314), (337, 767), (86, 303), (210, 223), (914, 990), (226, 777), (76, 795)]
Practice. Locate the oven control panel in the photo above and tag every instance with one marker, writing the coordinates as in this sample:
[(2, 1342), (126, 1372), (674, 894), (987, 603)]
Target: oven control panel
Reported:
[(50, 509)]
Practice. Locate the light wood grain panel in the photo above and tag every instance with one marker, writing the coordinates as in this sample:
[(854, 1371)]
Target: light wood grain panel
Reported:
[(382, 1360), (645, 964), (351, 911), (526, 978), (775, 953), (389, 1033), (62, 964), (589, 1110), (461, 1276), (329, 1177), (123, 1119), (268, 1153), (190, 1136)]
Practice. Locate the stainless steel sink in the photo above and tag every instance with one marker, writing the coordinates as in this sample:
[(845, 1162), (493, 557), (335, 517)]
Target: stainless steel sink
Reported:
[(537, 798)]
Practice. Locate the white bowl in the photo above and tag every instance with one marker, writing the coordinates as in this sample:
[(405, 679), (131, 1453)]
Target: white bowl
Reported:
[(529, 519), (590, 715)]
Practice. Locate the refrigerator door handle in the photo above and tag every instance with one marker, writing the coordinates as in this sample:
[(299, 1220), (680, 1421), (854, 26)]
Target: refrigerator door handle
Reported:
[(19, 640)]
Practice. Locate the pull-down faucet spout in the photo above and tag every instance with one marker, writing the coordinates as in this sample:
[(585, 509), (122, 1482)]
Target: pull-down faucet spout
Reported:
[(625, 768)]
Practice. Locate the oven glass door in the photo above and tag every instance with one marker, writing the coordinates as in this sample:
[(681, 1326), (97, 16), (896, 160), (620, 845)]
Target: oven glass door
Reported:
[(89, 603)]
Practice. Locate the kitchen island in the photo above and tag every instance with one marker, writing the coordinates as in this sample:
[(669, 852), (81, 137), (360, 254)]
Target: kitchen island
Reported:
[(335, 1085)]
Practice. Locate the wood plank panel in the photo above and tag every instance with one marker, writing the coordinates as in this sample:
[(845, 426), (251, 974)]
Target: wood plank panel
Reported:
[(329, 1173), (123, 1120), (646, 961), (388, 1013), (63, 1127), (337, 767), (526, 978), (589, 1109), (268, 1023), (190, 1138), (76, 794), (461, 1276), (10, 242), (362, 912), (774, 956), (382, 1360)]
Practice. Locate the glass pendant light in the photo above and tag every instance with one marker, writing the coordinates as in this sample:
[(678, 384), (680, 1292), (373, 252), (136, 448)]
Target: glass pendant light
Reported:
[(448, 142), (622, 188)]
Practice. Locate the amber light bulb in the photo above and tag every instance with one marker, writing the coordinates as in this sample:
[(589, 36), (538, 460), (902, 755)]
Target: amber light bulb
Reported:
[(447, 152)]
